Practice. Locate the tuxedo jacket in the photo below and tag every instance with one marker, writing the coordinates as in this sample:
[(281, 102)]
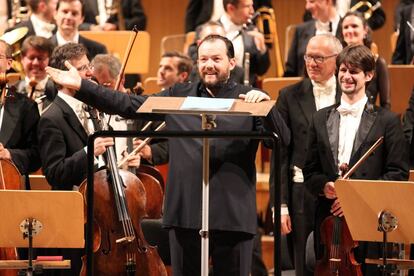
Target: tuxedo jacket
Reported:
[(62, 139), (93, 47), (18, 131), (295, 64), (232, 161), (131, 10), (296, 104), (403, 53)]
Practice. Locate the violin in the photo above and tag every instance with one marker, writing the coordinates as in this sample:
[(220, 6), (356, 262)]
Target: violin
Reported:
[(120, 204), (339, 258)]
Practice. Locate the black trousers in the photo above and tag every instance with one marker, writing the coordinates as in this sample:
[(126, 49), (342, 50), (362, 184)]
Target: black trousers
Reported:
[(231, 252), (302, 218)]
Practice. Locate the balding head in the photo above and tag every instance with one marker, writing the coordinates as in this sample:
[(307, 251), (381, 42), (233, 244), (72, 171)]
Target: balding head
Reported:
[(320, 55)]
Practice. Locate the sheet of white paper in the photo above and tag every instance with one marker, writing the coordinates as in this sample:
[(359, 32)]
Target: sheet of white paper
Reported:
[(210, 104)]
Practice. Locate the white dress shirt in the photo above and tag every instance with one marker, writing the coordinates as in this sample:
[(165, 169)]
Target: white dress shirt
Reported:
[(62, 41), (42, 28), (324, 94), (348, 127), (233, 33)]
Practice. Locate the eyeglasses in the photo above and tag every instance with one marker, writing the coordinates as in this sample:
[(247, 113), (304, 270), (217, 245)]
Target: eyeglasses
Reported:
[(85, 67), (317, 59)]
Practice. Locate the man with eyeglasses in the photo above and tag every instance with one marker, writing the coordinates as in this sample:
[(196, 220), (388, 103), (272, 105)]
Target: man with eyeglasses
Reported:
[(63, 132), (36, 52), (296, 104), (18, 122)]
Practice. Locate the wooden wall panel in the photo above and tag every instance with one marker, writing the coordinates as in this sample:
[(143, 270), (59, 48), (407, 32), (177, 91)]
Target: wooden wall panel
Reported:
[(166, 17)]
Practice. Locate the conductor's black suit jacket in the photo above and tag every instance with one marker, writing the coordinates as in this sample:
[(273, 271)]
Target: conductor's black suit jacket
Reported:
[(232, 161)]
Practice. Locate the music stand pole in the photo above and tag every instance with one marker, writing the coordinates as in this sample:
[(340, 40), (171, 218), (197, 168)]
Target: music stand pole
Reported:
[(207, 123)]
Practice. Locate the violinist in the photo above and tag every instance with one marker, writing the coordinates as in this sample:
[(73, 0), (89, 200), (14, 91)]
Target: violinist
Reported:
[(232, 175), (36, 52), (19, 117), (341, 133)]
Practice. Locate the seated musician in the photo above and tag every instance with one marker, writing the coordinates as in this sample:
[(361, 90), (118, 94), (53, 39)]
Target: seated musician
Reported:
[(19, 117), (36, 52), (341, 134)]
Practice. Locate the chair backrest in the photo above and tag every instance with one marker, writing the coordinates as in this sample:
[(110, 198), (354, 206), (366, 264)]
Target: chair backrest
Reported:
[(393, 41), (374, 48), (150, 86), (117, 41), (273, 85), (173, 43), (189, 39), (290, 32), (401, 83)]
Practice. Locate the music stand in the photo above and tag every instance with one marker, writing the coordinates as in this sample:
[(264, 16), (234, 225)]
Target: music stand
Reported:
[(173, 105), (47, 219), (364, 201)]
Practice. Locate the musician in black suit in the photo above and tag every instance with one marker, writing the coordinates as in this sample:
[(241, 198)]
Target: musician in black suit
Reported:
[(18, 123), (297, 103), (199, 12), (375, 21), (232, 171), (36, 51), (404, 50), (69, 15), (41, 20), (236, 16), (63, 132), (132, 12), (325, 20), (342, 133)]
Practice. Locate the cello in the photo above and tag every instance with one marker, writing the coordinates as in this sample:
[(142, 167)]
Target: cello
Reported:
[(119, 245), (338, 257), (10, 179)]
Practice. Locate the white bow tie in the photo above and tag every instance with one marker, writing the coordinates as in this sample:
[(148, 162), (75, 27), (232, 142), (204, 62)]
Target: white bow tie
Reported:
[(348, 110)]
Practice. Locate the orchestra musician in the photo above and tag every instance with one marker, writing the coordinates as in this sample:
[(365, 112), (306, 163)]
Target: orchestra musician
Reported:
[(19, 117), (232, 170), (341, 133), (63, 131), (36, 52), (297, 103)]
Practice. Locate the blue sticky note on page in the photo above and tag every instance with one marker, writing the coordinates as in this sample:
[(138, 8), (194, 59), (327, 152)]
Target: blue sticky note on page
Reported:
[(210, 104)]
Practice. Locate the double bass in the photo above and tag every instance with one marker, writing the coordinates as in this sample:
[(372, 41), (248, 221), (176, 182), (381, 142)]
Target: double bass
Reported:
[(119, 205), (339, 258)]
